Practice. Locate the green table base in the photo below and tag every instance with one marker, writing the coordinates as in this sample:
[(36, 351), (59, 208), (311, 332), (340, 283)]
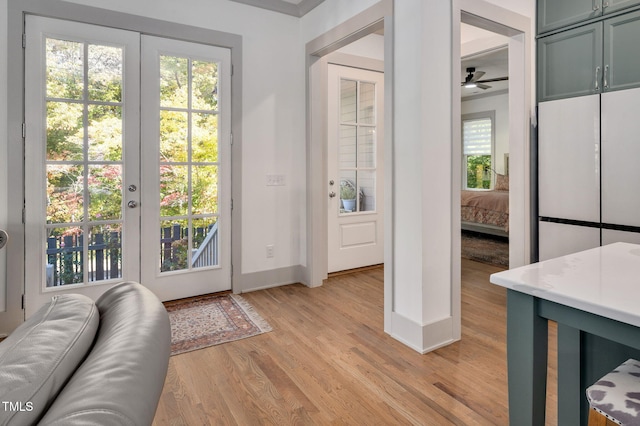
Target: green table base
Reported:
[(589, 346)]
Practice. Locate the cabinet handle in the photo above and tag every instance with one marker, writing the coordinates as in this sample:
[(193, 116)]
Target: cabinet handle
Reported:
[(597, 87), (596, 5), (605, 5), (605, 76)]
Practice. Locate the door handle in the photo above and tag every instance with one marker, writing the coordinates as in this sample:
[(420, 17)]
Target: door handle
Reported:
[(132, 204), (597, 78), (605, 84), (332, 194)]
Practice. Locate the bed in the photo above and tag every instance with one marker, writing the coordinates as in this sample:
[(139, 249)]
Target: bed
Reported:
[(487, 211)]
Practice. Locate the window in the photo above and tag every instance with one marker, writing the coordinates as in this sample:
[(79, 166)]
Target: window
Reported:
[(477, 150)]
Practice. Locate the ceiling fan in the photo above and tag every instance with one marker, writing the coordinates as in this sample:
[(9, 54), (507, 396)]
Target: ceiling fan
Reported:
[(473, 79)]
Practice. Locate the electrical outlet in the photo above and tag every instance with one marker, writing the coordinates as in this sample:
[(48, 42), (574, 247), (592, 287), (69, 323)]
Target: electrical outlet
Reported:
[(270, 250)]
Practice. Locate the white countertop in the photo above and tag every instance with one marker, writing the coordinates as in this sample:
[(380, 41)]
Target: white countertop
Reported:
[(604, 281)]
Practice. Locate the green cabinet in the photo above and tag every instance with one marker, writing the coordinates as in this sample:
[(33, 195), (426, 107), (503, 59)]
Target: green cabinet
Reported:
[(598, 57), (568, 63), (556, 14), (621, 52)]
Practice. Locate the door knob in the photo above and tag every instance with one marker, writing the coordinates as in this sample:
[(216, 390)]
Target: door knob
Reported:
[(132, 204), (332, 194)]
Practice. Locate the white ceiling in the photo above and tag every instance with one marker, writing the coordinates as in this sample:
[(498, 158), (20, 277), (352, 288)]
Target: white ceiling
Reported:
[(486, 51)]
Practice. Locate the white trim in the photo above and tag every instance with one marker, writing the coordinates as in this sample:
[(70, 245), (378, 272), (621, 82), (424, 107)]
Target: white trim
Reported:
[(518, 28), (298, 10), (422, 338)]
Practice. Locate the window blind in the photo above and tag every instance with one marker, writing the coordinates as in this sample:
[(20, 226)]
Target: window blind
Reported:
[(476, 136)]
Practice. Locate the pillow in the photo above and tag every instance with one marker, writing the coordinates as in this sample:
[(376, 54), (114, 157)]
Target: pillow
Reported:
[(40, 356), (502, 182)]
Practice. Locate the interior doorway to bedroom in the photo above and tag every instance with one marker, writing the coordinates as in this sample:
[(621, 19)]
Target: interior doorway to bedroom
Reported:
[(484, 192), (477, 15)]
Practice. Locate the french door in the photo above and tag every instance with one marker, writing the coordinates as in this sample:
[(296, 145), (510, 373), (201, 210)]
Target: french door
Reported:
[(95, 214), (355, 160)]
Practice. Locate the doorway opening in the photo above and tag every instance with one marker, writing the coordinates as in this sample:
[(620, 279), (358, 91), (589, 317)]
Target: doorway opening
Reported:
[(515, 29), (485, 146), (321, 52)]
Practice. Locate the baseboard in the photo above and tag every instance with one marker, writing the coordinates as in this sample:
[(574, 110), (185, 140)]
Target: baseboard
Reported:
[(267, 279), (422, 338)]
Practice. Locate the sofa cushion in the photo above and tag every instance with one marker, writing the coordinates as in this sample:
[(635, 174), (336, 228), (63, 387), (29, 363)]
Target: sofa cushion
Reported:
[(121, 380), (39, 357)]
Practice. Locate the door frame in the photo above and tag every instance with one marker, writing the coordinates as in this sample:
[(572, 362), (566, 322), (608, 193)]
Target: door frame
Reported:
[(16, 10), (518, 29), (317, 54)]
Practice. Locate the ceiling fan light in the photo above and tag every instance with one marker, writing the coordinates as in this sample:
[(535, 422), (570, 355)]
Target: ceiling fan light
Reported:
[(470, 85)]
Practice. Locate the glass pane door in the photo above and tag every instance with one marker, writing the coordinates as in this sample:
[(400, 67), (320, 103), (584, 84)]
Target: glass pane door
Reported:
[(82, 158), (188, 163), (357, 146), (84, 161), (186, 168)]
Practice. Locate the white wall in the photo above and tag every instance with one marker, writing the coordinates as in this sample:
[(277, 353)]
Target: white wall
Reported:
[(272, 121), (499, 104)]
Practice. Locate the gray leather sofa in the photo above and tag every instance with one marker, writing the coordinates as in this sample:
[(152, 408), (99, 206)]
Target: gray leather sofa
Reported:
[(76, 362)]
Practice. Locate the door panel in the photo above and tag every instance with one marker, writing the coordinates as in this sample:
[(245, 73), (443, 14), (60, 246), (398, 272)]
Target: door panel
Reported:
[(622, 52), (620, 151), (568, 158), (81, 153), (186, 203), (355, 147), (554, 14), (570, 63), (558, 239)]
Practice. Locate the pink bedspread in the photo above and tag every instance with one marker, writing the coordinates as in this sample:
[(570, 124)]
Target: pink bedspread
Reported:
[(486, 207)]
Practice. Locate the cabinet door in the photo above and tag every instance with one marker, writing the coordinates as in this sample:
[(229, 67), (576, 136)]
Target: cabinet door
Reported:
[(620, 154), (610, 6), (559, 239), (570, 63), (554, 14), (622, 52), (568, 158), (610, 236)]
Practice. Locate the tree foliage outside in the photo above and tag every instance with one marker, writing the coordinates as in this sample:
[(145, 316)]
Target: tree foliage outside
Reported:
[(482, 179), (84, 146)]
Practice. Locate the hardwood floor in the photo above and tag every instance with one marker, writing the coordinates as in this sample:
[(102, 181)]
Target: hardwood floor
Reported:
[(327, 361)]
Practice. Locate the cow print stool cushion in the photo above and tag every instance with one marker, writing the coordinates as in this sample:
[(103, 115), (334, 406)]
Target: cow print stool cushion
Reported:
[(617, 394)]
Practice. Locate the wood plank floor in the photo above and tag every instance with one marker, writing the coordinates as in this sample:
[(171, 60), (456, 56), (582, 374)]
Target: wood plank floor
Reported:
[(328, 362)]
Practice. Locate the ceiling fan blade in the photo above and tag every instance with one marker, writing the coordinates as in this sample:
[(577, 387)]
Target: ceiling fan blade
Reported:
[(477, 75), (482, 86), (490, 80)]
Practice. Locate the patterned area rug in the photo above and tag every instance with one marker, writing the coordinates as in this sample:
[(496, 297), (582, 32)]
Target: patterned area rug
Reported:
[(204, 321), (485, 248)]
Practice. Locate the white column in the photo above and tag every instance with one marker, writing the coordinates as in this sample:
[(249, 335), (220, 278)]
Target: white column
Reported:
[(421, 313)]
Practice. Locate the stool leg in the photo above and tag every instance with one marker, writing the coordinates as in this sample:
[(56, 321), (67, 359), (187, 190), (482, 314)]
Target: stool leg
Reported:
[(597, 419)]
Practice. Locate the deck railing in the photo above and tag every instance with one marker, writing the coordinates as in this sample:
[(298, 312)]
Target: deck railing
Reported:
[(65, 263)]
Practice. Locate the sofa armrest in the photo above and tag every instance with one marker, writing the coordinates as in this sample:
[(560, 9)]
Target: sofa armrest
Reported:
[(121, 380)]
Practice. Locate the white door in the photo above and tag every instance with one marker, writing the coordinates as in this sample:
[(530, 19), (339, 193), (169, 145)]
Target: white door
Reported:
[(355, 173), (569, 158), (620, 153), (84, 205), (186, 134)]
